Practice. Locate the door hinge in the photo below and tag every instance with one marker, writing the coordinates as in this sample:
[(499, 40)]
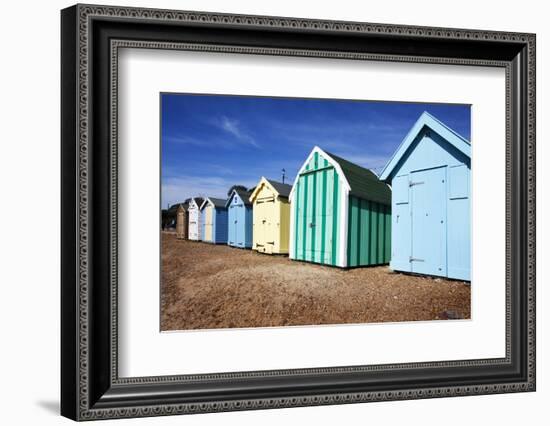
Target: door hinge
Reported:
[(415, 259), (411, 183)]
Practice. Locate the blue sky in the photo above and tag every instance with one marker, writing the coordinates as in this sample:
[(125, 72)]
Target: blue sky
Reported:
[(210, 142)]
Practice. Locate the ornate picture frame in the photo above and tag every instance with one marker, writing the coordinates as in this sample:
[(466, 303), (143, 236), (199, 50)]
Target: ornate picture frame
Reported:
[(91, 37)]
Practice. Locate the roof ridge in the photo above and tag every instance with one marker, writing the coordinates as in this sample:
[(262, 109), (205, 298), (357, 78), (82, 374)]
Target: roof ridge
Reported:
[(425, 120), (276, 181), (363, 182), (242, 193), (350, 162), (446, 127)]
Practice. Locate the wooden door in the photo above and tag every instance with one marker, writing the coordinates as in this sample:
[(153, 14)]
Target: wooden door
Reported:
[(194, 216), (181, 231), (232, 225), (264, 236), (428, 230), (208, 224)]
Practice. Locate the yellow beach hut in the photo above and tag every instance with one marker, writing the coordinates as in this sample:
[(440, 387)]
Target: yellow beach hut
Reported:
[(270, 217)]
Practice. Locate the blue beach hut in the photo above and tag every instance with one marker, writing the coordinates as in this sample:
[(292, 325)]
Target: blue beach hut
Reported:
[(239, 231), (214, 221), (430, 179)]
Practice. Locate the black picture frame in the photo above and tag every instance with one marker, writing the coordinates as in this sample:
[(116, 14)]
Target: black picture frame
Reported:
[(90, 386)]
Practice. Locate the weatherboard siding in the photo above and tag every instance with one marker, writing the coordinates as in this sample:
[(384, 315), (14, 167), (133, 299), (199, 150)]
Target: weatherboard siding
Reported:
[(239, 223), (220, 226), (316, 213), (181, 223), (281, 245), (208, 224), (248, 227), (264, 216), (202, 225), (431, 201), (213, 224), (194, 222), (369, 236), (270, 219), (335, 223)]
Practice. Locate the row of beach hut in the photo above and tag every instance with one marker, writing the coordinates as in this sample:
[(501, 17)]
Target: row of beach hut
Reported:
[(258, 219), (415, 215)]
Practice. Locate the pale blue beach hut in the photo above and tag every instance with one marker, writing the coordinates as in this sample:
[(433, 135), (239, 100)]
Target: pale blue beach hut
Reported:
[(430, 179), (239, 211)]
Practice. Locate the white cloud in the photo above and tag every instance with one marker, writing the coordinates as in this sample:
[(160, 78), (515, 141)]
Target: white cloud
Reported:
[(183, 140), (234, 128)]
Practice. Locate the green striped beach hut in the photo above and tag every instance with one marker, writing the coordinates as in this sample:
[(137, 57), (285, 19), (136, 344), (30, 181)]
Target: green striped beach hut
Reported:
[(340, 213)]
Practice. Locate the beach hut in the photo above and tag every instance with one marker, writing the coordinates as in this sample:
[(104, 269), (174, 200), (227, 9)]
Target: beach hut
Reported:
[(214, 221), (271, 216), (194, 218), (340, 213), (239, 219), (169, 217), (182, 223), (430, 178)]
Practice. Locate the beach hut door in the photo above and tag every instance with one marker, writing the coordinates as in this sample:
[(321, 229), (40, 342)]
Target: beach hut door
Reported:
[(180, 224), (232, 227), (428, 214), (238, 223), (266, 236), (209, 224), (193, 231)]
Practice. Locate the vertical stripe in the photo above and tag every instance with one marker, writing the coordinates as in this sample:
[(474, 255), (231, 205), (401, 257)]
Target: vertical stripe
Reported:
[(350, 224), (383, 234), (369, 232), (382, 247), (353, 230), (388, 235), (358, 234), (304, 220), (330, 203), (360, 240), (314, 206), (324, 213), (383, 254), (296, 203), (364, 218), (380, 232), (335, 218), (365, 234), (374, 237)]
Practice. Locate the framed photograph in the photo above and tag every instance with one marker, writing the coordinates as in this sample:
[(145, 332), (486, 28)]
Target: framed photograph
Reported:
[(263, 212)]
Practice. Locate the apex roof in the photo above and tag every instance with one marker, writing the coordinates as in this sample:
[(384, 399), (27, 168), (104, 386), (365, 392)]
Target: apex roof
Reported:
[(216, 202), (282, 189), (426, 120), (359, 181), (243, 195)]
